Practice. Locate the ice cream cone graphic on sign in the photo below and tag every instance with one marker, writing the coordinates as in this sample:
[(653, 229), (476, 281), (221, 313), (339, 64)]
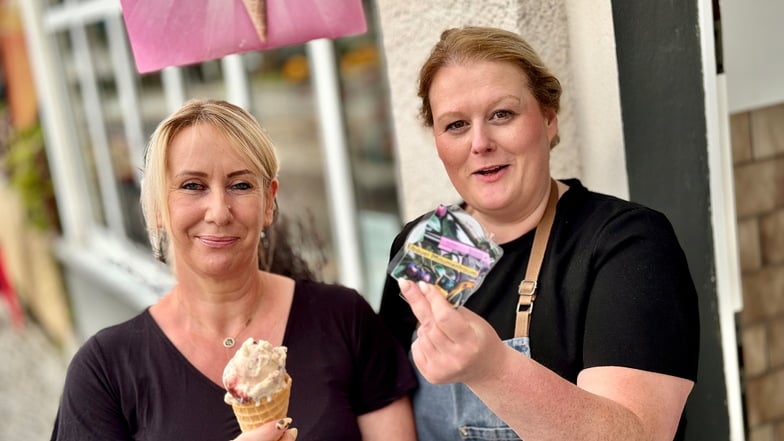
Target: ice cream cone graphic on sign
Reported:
[(258, 15), (257, 385)]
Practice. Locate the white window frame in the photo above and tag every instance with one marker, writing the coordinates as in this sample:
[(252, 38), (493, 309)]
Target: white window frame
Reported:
[(90, 246)]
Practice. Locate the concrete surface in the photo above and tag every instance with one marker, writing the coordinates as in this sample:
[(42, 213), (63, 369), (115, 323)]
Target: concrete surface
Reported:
[(32, 371)]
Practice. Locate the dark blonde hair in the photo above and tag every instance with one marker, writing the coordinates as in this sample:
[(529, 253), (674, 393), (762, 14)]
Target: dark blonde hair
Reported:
[(472, 43), (240, 128)]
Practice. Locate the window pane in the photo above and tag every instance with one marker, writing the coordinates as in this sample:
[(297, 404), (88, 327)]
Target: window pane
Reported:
[(204, 80), (115, 131), (283, 101), (82, 147), (368, 122), (371, 147)]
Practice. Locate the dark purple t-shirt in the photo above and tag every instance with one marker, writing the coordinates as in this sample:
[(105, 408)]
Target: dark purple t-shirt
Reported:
[(129, 382)]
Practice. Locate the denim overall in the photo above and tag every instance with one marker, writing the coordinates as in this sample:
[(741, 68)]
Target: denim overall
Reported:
[(452, 412)]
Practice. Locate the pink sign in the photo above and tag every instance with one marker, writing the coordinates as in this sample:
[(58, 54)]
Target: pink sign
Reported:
[(167, 33)]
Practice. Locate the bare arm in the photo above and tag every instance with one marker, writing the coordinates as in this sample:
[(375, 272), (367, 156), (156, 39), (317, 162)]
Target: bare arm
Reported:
[(608, 403), (394, 421)]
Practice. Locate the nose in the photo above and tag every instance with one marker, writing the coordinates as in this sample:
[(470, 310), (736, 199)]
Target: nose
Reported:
[(218, 209), (481, 139)]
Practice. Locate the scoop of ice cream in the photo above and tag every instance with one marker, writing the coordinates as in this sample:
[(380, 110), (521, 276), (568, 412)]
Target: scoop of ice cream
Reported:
[(255, 372)]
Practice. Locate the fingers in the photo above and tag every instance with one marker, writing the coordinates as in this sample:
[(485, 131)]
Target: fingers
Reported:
[(288, 434), (413, 295), (423, 298), (283, 423), (272, 431)]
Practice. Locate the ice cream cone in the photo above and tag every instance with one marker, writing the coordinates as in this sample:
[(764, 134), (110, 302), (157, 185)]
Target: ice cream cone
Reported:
[(252, 415), (257, 11)]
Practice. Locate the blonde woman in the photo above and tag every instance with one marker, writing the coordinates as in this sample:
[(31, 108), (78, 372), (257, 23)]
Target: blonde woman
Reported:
[(208, 193)]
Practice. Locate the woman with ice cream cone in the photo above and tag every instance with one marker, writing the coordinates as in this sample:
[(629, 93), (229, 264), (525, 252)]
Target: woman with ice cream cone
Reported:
[(208, 194)]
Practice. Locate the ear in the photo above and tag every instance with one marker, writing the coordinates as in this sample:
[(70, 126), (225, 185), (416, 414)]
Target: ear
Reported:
[(551, 122), (270, 204)]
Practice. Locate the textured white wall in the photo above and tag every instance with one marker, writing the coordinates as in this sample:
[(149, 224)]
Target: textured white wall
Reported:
[(597, 106), (411, 27)]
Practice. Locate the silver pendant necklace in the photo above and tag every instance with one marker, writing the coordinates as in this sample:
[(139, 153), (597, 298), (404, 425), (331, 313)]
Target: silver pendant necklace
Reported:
[(229, 342)]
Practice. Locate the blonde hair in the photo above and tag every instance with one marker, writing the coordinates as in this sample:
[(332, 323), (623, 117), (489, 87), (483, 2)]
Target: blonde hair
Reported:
[(240, 128)]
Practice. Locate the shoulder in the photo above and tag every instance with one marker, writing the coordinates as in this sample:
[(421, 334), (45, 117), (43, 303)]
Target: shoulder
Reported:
[(582, 208), (111, 341), (339, 316), (107, 358), (321, 291), (329, 298)]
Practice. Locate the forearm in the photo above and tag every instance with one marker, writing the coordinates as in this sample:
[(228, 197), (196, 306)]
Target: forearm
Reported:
[(394, 421), (539, 405)]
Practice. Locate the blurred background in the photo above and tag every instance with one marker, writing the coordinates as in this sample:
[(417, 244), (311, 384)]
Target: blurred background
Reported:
[(75, 116)]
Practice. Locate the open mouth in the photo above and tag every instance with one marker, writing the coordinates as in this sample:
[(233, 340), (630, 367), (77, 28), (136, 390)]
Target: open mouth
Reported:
[(490, 170)]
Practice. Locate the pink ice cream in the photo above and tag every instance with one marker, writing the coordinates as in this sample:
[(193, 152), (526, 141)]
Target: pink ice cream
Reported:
[(255, 373)]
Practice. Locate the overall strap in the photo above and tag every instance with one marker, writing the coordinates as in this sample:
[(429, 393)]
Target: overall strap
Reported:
[(527, 288)]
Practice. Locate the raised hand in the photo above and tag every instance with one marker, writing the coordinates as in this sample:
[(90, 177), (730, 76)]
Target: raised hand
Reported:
[(452, 344)]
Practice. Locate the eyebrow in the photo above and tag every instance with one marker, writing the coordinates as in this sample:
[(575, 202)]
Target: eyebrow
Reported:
[(202, 174), (454, 114)]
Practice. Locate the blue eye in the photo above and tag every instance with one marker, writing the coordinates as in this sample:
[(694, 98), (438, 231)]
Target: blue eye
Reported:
[(456, 125), (501, 114), (192, 186), (242, 186)]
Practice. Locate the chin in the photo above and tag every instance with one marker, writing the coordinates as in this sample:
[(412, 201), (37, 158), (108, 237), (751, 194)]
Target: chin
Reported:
[(489, 202)]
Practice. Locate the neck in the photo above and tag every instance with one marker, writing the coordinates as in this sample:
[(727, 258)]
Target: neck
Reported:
[(218, 316), (507, 228)]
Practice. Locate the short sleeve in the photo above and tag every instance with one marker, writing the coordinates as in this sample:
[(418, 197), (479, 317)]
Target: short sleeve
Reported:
[(642, 310), (87, 382), (384, 372)]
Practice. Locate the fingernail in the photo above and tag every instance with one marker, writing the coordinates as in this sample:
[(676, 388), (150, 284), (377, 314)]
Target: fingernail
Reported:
[(422, 286), (403, 284), (293, 432), (283, 423)]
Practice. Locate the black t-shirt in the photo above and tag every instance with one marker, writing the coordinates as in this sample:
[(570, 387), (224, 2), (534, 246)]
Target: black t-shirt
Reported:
[(614, 290), (129, 382)]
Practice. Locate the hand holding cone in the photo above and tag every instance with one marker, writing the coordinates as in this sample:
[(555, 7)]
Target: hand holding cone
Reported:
[(257, 384), (252, 415)]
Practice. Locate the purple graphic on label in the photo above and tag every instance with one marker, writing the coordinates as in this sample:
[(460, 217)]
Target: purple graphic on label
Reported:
[(452, 245)]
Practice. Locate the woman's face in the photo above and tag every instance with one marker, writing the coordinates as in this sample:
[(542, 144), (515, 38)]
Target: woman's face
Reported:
[(217, 205), (492, 136)]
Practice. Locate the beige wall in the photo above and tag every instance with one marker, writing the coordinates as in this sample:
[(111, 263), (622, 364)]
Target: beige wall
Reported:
[(758, 155)]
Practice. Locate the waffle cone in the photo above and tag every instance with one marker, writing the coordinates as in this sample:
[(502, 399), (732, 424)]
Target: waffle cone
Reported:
[(258, 15), (252, 415)]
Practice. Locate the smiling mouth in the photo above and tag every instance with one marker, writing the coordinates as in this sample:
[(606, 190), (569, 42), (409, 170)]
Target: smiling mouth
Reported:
[(216, 241), (490, 170)]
